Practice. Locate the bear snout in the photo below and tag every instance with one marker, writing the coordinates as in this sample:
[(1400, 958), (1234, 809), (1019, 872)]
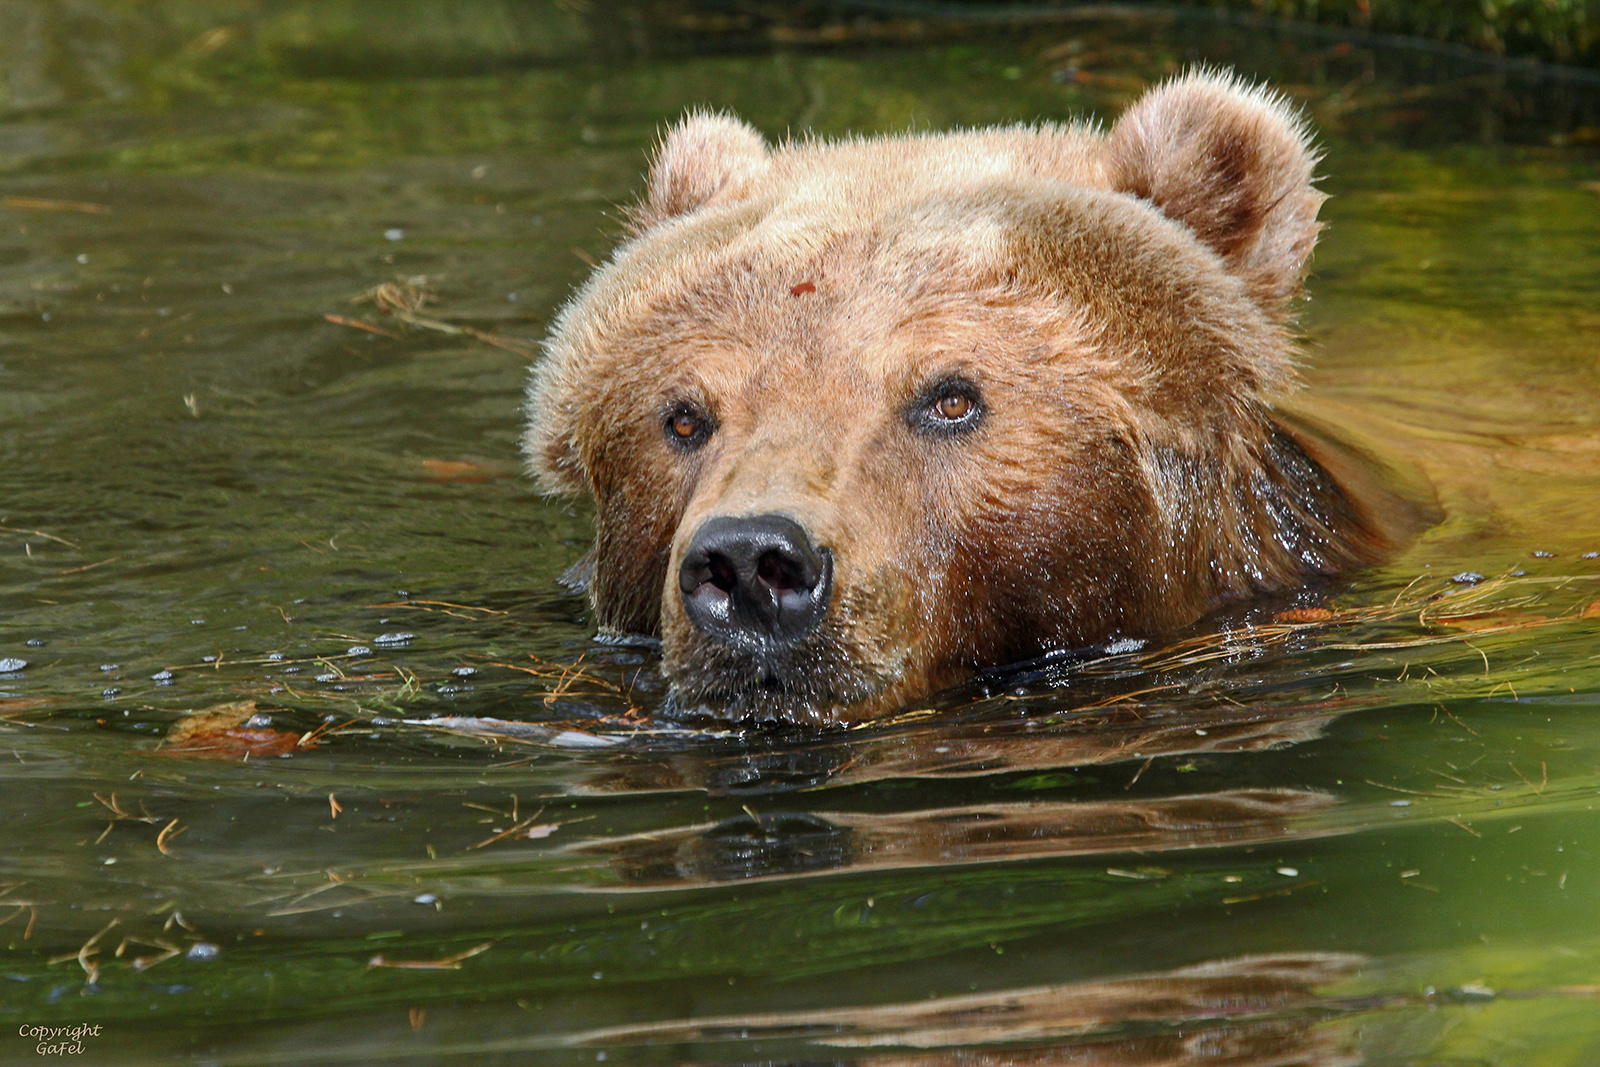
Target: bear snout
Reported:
[(755, 582)]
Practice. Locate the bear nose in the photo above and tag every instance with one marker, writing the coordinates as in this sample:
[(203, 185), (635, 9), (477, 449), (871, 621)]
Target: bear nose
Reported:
[(755, 580)]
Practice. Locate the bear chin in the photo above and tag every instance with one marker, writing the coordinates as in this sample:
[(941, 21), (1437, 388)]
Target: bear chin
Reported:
[(863, 418)]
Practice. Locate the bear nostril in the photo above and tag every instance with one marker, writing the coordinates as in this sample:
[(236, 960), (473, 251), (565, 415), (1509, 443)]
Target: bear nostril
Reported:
[(780, 573), (754, 581), (722, 572)]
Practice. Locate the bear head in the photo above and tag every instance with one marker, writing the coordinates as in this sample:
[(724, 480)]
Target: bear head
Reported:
[(862, 417)]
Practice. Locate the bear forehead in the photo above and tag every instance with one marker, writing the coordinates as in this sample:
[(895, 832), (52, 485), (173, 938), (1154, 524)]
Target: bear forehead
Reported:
[(858, 240)]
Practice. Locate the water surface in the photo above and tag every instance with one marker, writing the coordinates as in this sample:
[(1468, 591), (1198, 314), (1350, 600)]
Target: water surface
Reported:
[(1357, 827)]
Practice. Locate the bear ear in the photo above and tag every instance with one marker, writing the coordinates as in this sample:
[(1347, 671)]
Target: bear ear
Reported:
[(702, 157), (1232, 163)]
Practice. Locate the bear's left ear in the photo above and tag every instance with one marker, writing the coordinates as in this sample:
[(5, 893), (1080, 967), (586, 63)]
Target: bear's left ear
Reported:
[(700, 158), (1231, 162)]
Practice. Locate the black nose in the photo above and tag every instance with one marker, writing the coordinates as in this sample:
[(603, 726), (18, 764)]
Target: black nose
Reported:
[(755, 581)]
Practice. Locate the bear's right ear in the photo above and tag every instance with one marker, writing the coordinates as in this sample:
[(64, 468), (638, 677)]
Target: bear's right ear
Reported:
[(702, 157), (1232, 163)]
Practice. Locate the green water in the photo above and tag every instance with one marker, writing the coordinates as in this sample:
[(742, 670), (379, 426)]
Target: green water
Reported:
[(201, 474)]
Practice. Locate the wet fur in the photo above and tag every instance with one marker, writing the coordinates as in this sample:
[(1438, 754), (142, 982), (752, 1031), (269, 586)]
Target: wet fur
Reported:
[(1121, 301)]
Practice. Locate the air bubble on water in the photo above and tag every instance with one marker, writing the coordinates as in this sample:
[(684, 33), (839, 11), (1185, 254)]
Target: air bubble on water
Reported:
[(202, 952), (327, 677), (11, 663), (259, 721), (109, 693), (394, 233), (275, 656), (398, 638), (1467, 578), (203, 659), (425, 898), (360, 650), (464, 672), (161, 676), (110, 666)]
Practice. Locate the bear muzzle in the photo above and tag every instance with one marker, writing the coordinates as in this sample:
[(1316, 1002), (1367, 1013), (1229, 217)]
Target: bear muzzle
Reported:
[(755, 583)]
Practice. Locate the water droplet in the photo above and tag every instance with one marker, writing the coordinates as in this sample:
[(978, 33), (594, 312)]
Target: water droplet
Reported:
[(259, 721), (202, 952), (1289, 872)]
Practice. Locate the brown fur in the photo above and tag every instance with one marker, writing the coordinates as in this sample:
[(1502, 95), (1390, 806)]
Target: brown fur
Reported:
[(1118, 299)]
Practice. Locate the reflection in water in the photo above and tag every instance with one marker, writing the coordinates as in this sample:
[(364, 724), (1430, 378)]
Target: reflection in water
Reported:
[(953, 751), (786, 845), (1253, 1011)]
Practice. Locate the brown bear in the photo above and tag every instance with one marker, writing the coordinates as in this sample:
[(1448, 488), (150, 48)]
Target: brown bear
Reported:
[(860, 418)]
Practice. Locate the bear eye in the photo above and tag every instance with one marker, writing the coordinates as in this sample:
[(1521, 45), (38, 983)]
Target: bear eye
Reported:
[(954, 407), (948, 406), (687, 427)]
